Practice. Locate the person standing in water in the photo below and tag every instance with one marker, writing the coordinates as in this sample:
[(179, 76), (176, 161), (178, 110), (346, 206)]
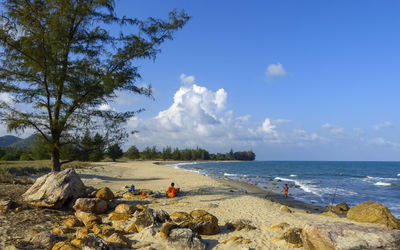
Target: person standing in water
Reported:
[(286, 188)]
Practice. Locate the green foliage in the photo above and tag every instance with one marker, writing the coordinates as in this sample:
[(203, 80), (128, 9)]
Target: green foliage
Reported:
[(67, 57), (92, 148), (25, 157), (10, 157), (114, 152), (40, 149), (132, 153), (188, 154)]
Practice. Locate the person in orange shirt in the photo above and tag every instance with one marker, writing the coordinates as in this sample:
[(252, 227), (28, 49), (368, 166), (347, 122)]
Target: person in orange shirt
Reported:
[(172, 191), (286, 189)]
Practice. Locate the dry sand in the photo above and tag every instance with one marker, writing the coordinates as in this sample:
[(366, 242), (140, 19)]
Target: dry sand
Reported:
[(221, 198)]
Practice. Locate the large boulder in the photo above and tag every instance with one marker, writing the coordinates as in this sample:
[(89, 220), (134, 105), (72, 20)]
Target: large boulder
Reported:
[(125, 209), (54, 189), (373, 212), (204, 222), (92, 205), (346, 236), (146, 218), (185, 239), (200, 221), (180, 217), (105, 193)]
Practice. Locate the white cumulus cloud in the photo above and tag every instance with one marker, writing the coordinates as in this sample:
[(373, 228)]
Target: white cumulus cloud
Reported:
[(275, 70), (198, 117)]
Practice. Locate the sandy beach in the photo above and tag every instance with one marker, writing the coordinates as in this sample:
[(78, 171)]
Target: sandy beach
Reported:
[(224, 199)]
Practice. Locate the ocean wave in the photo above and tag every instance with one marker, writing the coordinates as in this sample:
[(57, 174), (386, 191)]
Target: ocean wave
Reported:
[(178, 165), (316, 189), (398, 174), (381, 178), (293, 175), (228, 174), (380, 183)]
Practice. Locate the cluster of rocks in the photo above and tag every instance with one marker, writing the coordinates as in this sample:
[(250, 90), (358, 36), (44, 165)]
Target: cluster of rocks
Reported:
[(99, 222), (340, 235)]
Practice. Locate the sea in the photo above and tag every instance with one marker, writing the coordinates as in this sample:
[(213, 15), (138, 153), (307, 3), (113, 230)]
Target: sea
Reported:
[(321, 183)]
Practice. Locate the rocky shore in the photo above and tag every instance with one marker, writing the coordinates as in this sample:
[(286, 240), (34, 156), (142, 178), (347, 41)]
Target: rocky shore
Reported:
[(93, 209)]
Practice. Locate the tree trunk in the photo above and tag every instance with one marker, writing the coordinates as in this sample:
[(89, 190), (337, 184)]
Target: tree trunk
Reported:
[(55, 160)]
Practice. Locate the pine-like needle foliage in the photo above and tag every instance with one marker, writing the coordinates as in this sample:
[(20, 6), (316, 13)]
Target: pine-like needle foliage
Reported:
[(64, 58)]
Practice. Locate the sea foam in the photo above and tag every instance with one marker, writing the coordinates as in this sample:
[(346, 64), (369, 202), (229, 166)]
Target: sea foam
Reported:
[(380, 183)]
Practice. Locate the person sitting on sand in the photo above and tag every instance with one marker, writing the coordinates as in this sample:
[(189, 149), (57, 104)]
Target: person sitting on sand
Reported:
[(172, 191), (286, 188)]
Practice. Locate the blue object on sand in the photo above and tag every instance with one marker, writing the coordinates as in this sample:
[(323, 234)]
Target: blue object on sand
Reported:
[(132, 188)]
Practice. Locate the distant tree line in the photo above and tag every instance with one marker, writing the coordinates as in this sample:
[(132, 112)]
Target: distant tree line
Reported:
[(89, 148), (94, 148), (167, 153)]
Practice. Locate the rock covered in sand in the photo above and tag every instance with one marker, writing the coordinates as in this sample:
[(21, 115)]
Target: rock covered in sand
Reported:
[(346, 236), (92, 205), (185, 239)]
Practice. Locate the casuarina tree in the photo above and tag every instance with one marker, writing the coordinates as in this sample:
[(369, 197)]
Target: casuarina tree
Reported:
[(60, 60)]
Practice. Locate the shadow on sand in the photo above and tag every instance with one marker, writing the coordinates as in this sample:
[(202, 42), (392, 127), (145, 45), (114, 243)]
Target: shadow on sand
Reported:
[(108, 178)]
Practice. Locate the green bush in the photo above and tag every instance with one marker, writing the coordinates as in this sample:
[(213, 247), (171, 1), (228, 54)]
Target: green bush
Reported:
[(25, 157)]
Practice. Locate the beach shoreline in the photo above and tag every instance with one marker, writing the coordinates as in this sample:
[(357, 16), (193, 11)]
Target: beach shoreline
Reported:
[(252, 189), (222, 198)]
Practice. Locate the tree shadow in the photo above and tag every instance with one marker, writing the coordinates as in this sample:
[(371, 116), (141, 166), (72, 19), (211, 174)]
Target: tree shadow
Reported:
[(108, 178)]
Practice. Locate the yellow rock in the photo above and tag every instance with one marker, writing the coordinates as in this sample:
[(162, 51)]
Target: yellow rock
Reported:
[(238, 240), (330, 214), (63, 246), (285, 209), (180, 216), (103, 229), (166, 229), (77, 243), (373, 212), (121, 240), (81, 232), (280, 226), (124, 209), (61, 230), (118, 216), (88, 219), (105, 194), (140, 207), (72, 222), (56, 230)]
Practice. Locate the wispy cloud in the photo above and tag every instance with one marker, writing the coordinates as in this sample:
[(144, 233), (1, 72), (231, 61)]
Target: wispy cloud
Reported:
[(382, 125), (333, 129)]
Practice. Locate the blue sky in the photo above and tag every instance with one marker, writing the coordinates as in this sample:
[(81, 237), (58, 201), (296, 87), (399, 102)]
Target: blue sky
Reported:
[(291, 80)]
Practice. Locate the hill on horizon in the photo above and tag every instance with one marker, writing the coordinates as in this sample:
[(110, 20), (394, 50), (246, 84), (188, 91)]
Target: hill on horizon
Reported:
[(8, 140), (16, 142)]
